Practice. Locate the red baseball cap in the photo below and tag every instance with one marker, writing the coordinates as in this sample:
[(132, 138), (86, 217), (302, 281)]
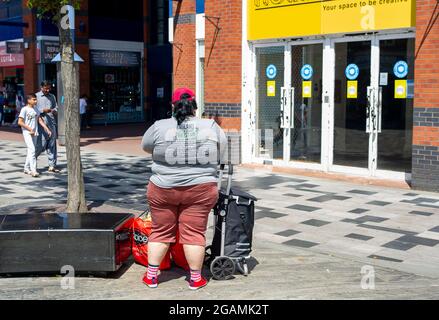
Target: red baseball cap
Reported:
[(181, 91)]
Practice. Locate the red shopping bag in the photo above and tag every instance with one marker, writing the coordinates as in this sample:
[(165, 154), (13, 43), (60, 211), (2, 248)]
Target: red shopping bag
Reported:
[(140, 237)]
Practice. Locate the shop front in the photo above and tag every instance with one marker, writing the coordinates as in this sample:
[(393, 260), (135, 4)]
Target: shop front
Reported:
[(333, 87), (11, 82), (116, 86)]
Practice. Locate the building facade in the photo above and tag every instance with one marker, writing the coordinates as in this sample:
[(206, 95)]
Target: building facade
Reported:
[(127, 69), (345, 86)]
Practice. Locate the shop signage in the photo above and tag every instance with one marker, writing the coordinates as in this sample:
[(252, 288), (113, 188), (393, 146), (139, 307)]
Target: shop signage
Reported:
[(49, 50), (307, 72), (14, 47), (307, 89), (109, 58), (271, 88), (271, 71), (400, 89), (352, 71), (271, 19), (10, 60), (401, 69)]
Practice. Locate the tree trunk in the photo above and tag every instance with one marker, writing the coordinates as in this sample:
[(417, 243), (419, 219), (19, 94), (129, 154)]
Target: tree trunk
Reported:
[(76, 202)]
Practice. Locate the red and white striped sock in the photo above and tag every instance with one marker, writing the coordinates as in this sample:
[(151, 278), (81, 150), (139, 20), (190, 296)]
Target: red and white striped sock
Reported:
[(152, 271), (195, 275)]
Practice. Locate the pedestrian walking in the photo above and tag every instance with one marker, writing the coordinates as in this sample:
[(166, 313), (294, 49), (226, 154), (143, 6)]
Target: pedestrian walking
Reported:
[(48, 108), (183, 188), (28, 120), (83, 111), (2, 104), (19, 104)]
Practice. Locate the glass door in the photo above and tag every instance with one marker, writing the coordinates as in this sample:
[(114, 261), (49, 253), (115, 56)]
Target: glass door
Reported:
[(351, 104), (270, 102), (306, 99), (396, 105)]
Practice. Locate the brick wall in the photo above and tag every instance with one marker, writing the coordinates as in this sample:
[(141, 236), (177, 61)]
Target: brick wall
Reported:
[(82, 48), (30, 67), (425, 171), (184, 53), (223, 43)]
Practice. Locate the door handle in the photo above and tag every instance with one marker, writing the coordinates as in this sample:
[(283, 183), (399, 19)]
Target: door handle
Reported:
[(283, 105), (369, 111), (292, 107), (380, 108)]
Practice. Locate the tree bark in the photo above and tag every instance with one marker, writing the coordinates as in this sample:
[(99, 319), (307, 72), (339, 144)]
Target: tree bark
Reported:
[(76, 202)]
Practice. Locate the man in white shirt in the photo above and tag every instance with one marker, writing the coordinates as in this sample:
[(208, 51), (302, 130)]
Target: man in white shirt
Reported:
[(83, 111)]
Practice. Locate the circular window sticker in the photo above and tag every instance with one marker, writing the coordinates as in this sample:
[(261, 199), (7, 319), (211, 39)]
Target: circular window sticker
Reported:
[(307, 72), (352, 71), (271, 71), (401, 69)]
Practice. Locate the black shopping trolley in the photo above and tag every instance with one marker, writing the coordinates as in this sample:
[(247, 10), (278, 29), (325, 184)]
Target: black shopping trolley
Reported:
[(234, 221)]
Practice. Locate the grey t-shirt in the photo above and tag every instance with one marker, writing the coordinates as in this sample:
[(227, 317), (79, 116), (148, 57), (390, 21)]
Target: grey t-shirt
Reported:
[(185, 155), (30, 117)]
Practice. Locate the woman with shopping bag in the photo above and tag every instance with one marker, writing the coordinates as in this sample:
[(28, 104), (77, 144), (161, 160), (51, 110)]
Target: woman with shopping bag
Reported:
[(183, 188)]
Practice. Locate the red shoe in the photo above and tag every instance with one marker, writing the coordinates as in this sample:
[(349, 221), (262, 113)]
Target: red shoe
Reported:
[(152, 283), (197, 285)]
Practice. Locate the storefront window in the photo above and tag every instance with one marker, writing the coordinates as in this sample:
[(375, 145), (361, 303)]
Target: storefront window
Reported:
[(116, 87)]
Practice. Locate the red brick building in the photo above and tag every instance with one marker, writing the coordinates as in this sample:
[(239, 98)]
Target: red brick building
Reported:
[(342, 87)]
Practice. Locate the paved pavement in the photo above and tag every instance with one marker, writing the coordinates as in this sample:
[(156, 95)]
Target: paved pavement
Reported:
[(312, 236)]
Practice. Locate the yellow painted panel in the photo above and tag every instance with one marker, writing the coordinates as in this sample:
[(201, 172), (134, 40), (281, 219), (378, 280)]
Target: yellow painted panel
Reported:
[(293, 18)]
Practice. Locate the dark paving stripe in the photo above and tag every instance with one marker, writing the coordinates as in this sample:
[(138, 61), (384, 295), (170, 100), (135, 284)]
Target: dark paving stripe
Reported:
[(399, 245), (421, 200), (292, 195), (358, 237), (421, 213), (303, 208), (110, 186), (379, 203), (265, 214), (359, 211), (419, 240), (315, 223), (435, 229), (371, 219), (305, 185), (411, 194), (374, 256), (364, 192), (287, 233), (328, 198), (300, 243), (387, 229)]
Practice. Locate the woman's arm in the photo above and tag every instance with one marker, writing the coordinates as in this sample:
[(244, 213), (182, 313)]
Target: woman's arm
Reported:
[(148, 140)]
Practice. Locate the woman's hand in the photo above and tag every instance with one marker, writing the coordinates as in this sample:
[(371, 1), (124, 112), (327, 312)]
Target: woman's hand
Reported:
[(32, 133), (49, 133)]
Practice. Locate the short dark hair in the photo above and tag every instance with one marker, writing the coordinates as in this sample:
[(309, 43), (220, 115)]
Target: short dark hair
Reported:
[(31, 96), (46, 83)]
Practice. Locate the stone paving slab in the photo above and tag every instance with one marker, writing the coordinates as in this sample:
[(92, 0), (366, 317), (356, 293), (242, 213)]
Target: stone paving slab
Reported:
[(313, 216)]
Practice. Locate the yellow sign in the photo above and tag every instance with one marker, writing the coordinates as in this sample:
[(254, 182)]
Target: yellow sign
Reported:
[(307, 89), (271, 88), (352, 90), (400, 89), (270, 19)]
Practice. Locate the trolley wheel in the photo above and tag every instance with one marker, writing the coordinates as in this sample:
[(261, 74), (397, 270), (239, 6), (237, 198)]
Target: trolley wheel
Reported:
[(222, 268), (242, 266)]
